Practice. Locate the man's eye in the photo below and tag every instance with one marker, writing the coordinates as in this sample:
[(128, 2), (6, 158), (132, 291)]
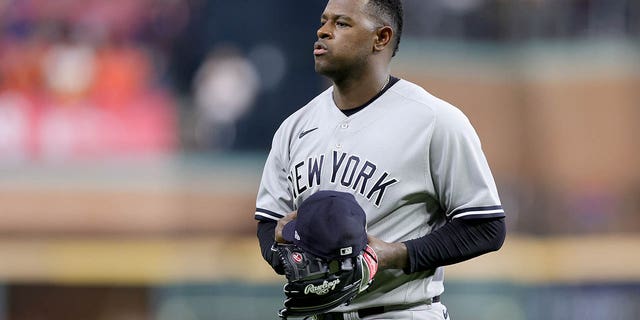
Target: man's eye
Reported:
[(341, 24), (322, 23)]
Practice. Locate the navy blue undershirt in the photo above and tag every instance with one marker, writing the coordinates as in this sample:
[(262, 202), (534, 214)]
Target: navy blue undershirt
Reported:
[(392, 81), (456, 241)]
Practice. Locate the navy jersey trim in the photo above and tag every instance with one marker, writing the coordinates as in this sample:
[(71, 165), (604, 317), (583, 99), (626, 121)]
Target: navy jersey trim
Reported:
[(264, 214), (392, 81), (478, 212)]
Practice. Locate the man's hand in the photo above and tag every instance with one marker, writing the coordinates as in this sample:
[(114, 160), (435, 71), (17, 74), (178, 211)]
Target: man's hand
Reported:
[(390, 255), (281, 223)]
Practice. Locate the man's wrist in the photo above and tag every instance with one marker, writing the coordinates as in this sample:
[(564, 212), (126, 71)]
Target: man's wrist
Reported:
[(395, 256), (400, 255)]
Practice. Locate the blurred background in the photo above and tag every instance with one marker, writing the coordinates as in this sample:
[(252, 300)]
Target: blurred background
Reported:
[(133, 134)]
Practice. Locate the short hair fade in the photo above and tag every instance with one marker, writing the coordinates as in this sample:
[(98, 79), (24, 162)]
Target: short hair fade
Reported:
[(391, 12)]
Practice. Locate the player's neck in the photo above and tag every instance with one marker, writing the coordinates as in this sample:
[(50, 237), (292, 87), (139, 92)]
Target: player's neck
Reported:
[(354, 92)]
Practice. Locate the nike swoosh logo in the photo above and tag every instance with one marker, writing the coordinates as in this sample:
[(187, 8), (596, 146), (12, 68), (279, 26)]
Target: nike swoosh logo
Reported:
[(304, 133)]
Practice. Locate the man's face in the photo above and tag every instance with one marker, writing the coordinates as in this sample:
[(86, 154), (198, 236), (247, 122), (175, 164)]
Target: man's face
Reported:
[(345, 37)]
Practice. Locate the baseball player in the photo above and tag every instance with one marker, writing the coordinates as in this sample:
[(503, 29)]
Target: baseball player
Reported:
[(412, 161)]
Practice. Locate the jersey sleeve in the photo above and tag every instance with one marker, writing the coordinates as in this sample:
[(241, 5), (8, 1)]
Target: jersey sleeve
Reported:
[(274, 198), (463, 181)]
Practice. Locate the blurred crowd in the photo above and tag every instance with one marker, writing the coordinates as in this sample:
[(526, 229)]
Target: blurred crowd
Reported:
[(84, 79), (87, 79)]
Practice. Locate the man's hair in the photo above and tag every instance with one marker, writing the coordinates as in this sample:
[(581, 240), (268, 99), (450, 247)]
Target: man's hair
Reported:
[(390, 11)]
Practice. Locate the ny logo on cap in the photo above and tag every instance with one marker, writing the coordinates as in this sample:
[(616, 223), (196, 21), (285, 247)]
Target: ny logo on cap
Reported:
[(346, 251)]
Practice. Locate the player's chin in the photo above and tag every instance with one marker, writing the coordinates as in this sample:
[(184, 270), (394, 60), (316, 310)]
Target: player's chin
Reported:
[(319, 68), (323, 67)]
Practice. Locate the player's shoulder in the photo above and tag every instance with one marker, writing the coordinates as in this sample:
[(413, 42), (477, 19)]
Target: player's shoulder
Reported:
[(417, 97)]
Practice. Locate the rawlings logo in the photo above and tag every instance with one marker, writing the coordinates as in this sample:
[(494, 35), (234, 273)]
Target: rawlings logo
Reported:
[(297, 257), (322, 289)]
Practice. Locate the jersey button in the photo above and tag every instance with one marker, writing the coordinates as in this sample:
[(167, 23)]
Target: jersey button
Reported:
[(338, 146), (344, 125)]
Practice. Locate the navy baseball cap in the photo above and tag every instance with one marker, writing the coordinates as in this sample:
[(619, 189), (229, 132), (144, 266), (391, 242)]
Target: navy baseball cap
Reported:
[(330, 225)]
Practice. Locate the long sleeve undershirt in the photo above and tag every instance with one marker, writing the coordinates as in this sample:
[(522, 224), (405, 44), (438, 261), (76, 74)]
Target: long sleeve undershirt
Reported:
[(456, 241), (266, 236)]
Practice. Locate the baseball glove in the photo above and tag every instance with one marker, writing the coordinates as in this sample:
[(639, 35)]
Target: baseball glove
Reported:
[(315, 285)]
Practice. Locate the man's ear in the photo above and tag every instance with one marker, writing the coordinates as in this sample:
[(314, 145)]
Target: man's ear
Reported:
[(383, 38)]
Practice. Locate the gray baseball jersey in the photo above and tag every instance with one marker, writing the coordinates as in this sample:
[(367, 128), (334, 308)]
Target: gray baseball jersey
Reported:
[(411, 160)]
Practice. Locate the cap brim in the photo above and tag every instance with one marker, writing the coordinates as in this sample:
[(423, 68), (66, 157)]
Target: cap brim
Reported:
[(289, 231)]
